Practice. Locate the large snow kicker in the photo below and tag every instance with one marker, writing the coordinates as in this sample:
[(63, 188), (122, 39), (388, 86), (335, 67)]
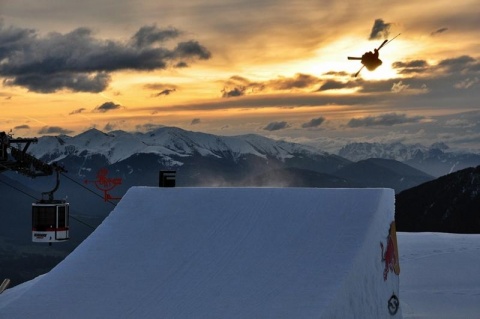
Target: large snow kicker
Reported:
[(227, 253)]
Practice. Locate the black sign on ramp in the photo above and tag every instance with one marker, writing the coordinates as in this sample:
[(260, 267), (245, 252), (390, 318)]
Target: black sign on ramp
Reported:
[(167, 178)]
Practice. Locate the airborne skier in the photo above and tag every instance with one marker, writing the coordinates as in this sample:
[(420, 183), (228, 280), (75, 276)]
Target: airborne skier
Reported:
[(370, 59)]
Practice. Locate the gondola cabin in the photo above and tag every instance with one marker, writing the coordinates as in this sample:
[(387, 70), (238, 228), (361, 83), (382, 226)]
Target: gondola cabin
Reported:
[(50, 221)]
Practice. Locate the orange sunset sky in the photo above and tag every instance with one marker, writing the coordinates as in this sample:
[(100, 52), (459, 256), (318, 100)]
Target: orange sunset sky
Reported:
[(229, 67)]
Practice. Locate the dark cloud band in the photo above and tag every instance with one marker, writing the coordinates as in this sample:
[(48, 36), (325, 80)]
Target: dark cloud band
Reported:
[(314, 122), (107, 106), (80, 62), (53, 130), (389, 119), (275, 126)]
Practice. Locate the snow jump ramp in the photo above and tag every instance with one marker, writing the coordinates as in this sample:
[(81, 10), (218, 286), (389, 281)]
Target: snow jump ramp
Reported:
[(227, 253)]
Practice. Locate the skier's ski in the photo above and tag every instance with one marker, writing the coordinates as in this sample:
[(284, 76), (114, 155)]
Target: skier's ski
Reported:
[(381, 45), (355, 75), (4, 285), (387, 42)]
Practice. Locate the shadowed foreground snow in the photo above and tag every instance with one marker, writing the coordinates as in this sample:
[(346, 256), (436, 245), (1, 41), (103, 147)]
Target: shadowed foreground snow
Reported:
[(440, 276), (151, 258), (224, 253)]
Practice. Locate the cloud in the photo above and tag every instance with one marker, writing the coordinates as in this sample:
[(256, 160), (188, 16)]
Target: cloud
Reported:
[(374, 86), (414, 66), (50, 83), (389, 119), (165, 89), (181, 64), (438, 31), (432, 87), (459, 64), (53, 130), (272, 100), (159, 86), (165, 92), (275, 126), (314, 122), (335, 85), (148, 35), (299, 81), (239, 86), (147, 127), (80, 62), (109, 127), (107, 106), (380, 30), (195, 121), (467, 83), (337, 73), (77, 111), (21, 127), (399, 87), (237, 91), (191, 49), (464, 123)]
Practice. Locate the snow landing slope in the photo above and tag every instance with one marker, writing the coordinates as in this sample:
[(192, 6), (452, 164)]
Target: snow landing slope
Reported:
[(224, 253)]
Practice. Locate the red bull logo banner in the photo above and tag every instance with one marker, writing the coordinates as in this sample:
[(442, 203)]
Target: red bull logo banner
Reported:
[(390, 253)]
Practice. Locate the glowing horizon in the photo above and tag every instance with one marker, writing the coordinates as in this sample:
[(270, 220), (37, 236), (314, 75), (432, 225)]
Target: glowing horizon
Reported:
[(235, 67)]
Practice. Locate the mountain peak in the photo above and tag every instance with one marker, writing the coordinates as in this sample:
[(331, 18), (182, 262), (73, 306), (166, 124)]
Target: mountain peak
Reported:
[(92, 132), (169, 142)]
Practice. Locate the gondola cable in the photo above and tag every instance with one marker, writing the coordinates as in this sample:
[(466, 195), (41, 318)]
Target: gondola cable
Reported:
[(50, 216), (71, 179), (31, 196)]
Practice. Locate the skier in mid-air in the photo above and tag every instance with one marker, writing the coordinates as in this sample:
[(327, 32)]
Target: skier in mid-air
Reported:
[(370, 59)]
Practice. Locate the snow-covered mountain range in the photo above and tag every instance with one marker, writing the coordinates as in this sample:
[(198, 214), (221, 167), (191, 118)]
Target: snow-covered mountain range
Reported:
[(200, 159), (171, 143), (436, 159), (207, 159)]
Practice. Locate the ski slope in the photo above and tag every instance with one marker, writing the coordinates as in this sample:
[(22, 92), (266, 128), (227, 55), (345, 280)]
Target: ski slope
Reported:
[(440, 276), (224, 253)]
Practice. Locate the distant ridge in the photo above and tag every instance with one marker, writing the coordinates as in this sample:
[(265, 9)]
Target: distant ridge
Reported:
[(377, 172), (450, 204), (436, 159)]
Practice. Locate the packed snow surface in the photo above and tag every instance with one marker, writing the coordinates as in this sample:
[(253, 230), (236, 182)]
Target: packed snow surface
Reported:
[(440, 276), (224, 253)]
